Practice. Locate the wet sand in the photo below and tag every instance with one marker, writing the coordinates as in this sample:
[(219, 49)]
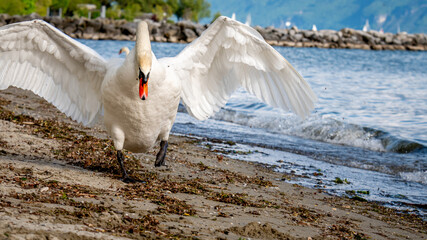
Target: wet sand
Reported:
[(59, 180)]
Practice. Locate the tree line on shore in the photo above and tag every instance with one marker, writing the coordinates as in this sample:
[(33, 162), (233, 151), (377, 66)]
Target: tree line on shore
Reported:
[(193, 10)]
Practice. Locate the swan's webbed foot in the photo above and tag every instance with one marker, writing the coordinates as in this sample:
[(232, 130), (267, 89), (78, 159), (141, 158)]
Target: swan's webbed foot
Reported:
[(161, 155), (125, 177)]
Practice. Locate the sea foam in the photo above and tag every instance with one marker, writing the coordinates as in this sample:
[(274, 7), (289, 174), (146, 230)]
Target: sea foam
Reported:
[(418, 176)]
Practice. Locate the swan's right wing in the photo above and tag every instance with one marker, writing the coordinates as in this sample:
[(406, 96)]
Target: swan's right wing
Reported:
[(38, 57)]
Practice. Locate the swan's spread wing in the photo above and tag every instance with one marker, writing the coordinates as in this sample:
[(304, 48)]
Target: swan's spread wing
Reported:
[(38, 57), (230, 54)]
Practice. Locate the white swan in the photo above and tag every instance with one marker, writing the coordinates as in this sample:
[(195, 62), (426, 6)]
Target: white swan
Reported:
[(38, 57), (124, 50)]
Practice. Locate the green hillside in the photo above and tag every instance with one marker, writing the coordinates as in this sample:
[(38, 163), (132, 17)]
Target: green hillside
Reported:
[(408, 15)]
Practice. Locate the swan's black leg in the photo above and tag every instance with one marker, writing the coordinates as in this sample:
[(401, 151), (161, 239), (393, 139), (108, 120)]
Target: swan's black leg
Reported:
[(126, 177), (160, 159)]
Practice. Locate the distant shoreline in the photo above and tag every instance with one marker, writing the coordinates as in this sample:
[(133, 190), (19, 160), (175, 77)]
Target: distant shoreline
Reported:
[(186, 32)]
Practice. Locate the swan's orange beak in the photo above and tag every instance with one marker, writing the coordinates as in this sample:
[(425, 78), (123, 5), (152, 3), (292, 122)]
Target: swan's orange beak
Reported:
[(143, 85), (143, 90)]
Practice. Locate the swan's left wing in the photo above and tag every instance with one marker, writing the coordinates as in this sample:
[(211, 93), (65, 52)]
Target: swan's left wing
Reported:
[(230, 54), (36, 56)]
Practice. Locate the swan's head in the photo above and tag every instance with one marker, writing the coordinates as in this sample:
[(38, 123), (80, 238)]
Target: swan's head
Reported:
[(143, 58), (124, 50)]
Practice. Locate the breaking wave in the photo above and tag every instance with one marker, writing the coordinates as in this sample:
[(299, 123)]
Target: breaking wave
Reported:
[(323, 128)]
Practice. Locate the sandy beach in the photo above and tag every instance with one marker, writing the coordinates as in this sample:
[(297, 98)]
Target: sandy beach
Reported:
[(59, 180)]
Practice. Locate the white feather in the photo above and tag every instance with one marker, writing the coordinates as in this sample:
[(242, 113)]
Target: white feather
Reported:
[(11, 45), (31, 34)]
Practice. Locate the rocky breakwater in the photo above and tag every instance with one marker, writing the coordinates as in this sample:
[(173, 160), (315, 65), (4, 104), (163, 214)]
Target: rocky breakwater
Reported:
[(185, 32), (345, 38), (108, 29)]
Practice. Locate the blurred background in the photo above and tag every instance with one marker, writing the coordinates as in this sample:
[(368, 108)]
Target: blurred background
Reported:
[(388, 16)]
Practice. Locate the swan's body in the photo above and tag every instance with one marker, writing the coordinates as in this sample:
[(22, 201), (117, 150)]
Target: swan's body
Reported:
[(38, 57), (146, 121)]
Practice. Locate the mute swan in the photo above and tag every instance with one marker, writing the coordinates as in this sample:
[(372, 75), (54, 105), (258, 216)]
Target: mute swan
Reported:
[(140, 113), (124, 50)]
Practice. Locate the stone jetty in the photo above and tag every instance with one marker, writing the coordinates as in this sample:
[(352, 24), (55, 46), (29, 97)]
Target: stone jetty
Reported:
[(186, 31)]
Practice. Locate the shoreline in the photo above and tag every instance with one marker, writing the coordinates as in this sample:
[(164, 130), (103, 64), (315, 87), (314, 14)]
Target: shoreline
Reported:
[(186, 32), (58, 178)]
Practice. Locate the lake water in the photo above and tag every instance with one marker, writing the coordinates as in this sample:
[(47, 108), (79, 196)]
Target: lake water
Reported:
[(369, 125)]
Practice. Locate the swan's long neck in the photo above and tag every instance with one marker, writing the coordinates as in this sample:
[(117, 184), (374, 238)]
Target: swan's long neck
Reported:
[(143, 47)]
